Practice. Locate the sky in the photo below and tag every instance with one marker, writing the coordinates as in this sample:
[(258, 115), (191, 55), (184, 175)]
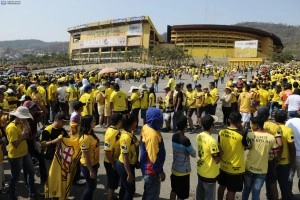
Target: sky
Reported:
[(48, 20)]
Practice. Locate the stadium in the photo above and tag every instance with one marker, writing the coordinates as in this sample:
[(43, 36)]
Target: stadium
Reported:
[(218, 41), (111, 40)]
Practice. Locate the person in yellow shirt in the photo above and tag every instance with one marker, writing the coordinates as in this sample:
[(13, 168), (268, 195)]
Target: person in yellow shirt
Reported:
[(112, 153), (264, 95), (152, 97), (90, 157), (72, 95), (229, 82), (232, 141), (135, 101), (216, 77), (214, 92), (222, 76), (100, 100), (190, 104), (244, 105), (144, 98), (275, 98), (171, 83), (118, 100), (87, 99), (287, 162), (208, 159), (51, 91), (195, 79), (17, 132), (257, 158), (128, 159), (207, 104), (199, 104)]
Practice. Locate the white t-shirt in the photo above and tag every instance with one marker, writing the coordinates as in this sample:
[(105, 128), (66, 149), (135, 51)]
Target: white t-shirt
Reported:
[(293, 102), (294, 124), (62, 92)]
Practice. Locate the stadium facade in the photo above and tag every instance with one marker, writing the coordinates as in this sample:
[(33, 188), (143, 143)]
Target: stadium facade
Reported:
[(110, 40), (218, 41)]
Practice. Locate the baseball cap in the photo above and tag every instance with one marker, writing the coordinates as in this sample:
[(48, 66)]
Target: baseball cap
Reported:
[(77, 105), (87, 87)]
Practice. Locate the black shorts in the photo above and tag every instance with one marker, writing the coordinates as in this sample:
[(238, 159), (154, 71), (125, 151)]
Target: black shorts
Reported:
[(143, 113), (190, 112), (200, 110), (112, 177), (181, 186), (233, 182)]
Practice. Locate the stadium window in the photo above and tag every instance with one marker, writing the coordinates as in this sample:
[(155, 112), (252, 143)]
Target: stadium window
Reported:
[(76, 37)]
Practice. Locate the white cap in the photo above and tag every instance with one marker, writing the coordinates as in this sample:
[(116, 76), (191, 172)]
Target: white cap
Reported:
[(3, 87), (10, 91), (133, 88)]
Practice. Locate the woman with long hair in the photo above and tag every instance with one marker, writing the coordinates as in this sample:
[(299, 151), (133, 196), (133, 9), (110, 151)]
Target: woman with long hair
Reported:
[(89, 162), (129, 147), (152, 97)]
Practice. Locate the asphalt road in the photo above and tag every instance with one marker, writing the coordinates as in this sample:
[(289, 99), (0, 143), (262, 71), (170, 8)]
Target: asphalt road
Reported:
[(165, 186)]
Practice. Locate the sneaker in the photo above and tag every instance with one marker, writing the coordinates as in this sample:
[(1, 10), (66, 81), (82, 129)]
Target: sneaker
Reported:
[(98, 126)]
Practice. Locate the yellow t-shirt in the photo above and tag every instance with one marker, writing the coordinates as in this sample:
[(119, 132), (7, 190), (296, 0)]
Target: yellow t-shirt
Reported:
[(119, 100), (171, 84), (4, 105), (232, 160), (153, 100), (264, 97), (195, 77), (112, 143), (245, 102), (207, 100), (136, 103), (90, 144), (199, 99), (88, 100), (145, 99), (273, 129), (207, 148), (216, 75), (129, 144), (108, 92), (73, 92), (13, 133), (287, 137), (52, 92), (190, 98), (257, 158), (214, 94)]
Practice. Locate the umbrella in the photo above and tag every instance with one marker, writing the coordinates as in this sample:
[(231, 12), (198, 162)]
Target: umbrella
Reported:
[(107, 70)]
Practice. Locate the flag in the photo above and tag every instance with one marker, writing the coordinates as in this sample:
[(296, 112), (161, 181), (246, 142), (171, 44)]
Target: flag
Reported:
[(63, 168)]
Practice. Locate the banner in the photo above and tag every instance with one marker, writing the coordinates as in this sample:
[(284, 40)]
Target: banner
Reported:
[(63, 168), (245, 49), (104, 42), (134, 29), (107, 32), (134, 41)]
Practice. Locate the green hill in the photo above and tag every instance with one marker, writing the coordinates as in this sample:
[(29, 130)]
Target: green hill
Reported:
[(289, 35)]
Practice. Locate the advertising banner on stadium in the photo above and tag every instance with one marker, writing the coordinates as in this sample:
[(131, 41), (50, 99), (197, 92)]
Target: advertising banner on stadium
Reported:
[(134, 41), (245, 49), (134, 29), (107, 32), (104, 42)]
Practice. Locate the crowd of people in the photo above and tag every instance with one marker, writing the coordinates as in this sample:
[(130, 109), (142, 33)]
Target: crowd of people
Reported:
[(259, 115)]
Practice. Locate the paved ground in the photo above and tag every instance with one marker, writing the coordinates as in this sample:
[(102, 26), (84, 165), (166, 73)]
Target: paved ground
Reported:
[(165, 186)]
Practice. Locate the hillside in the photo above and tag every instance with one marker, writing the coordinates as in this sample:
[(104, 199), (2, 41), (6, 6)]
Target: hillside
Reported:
[(289, 35), (14, 47)]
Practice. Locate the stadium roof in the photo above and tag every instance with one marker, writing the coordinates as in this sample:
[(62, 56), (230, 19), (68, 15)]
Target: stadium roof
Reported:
[(243, 29)]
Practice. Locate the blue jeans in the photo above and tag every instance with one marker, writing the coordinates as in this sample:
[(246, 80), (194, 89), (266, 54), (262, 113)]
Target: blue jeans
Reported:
[(151, 187), (284, 184), (127, 190), (155, 87), (90, 183), (255, 182), (52, 110), (292, 114), (205, 191), (16, 164)]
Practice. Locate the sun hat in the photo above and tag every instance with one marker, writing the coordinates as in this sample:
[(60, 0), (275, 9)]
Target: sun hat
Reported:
[(228, 88), (133, 88), (22, 112), (241, 77)]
